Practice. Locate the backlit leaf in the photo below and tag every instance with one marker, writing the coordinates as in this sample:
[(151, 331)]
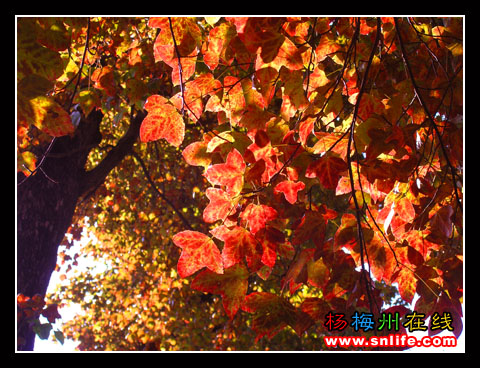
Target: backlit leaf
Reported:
[(228, 174), (240, 244), (196, 154), (198, 251), (50, 117), (162, 121), (257, 216), (290, 189), (220, 207)]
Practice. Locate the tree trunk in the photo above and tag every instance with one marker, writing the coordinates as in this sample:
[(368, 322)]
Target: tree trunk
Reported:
[(46, 203)]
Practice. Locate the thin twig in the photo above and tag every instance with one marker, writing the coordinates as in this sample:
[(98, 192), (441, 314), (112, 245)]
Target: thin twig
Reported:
[(349, 159), (158, 192), (180, 70), (427, 111), (81, 65)]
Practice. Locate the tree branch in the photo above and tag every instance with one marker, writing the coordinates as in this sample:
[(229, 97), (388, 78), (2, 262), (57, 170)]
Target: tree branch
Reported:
[(95, 177), (158, 192), (427, 112), (349, 159)]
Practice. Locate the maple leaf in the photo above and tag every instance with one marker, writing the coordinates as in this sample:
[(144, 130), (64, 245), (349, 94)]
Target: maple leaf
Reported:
[(272, 314), (51, 313), (49, 117), (297, 272), (198, 251), (220, 207), (405, 210), (104, 79), (305, 129), (326, 46), (312, 226), (196, 154), (257, 216), (289, 189), (228, 174), (327, 169), (231, 285), (239, 243), (218, 41), (162, 121), (187, 37), (407, 283)]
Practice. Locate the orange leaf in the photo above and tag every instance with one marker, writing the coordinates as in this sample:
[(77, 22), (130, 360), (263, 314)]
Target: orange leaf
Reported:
[(290, 189), (198, 251), (257, 216), (162, 121), (240, 243), (405, 210), (196, 154), (229, 174), (407, 283), (220, 207)]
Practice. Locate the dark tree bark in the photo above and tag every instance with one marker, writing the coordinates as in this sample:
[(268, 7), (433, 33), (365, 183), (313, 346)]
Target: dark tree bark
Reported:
[(46, 203)]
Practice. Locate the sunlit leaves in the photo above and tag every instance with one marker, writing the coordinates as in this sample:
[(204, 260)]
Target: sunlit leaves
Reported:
[(228, 174), (198, 251), (162, 121), (220, 207), (271, 102), (187, 35), (240, 244), (290, 189), (48, 116), (257, 216)]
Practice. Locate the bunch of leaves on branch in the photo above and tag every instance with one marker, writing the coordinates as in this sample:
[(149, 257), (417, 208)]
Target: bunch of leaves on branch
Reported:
[(286, 167)]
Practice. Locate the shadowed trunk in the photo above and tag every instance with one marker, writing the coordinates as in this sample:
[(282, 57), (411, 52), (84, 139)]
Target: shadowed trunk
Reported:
[(46, 203)]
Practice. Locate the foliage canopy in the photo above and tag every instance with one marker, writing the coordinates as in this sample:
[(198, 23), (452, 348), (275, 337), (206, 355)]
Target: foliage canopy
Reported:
[(286, 167)]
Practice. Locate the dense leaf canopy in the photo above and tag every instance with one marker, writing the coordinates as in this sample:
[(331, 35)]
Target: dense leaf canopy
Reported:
[(286, 168)]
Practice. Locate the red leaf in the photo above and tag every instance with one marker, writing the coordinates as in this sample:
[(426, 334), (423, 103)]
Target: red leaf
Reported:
[(327, 169), (104, 79), (290, 189), (272, 313), (305, 128), (232, 286), (418, 240), (187, 36), (297, 272), (239, 244), (441, 225), (312, 227), (162, 121), (257, 216), (229, 174), (234, 99), (405, 210), (407, 284), (198, 251), (220, 207), (218, 41)]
